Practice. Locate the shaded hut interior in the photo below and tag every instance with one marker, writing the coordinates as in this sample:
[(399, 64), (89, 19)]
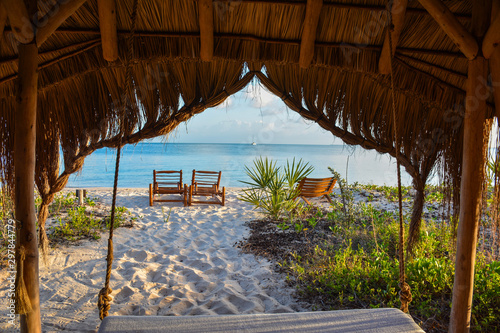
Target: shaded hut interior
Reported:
[(106, 78)]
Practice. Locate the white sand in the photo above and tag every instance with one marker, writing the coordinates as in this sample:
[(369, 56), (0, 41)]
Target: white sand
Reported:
[(188, 266)]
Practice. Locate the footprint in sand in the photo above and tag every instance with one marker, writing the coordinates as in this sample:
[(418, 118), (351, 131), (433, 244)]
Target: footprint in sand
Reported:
[(137, 255), (123, 295), (245, 306)]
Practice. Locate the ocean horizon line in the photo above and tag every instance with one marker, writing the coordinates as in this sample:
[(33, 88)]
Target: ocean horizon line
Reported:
[(248, 143)]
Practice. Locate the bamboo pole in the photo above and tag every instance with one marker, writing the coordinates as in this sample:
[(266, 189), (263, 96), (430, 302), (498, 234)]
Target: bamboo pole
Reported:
[(398, 12), (495, 63), (473, 168), (54, 18), (206, 18), (452, 27), (309, 28), (24, 170), (107, 25), (19, 20)]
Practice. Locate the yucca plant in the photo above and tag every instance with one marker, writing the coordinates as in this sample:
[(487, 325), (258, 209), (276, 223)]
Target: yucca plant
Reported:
[(273, 189)]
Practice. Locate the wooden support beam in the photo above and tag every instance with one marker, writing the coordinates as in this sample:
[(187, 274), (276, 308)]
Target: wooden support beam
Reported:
[(24, 166), (24, 133), (19, 20), (54, 18), (107, 25), (465, 41), (206, 18), (495, 78), (398, 12), (495, 63), (3, 19), (474, 159), (339, 5), (492, 37), (309, 28)]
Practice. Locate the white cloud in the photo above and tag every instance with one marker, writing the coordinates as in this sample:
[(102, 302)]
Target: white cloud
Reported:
[(226, 104), (261, 97)]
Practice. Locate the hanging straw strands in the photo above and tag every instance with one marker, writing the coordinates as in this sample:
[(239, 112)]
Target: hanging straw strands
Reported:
[(342, 89)]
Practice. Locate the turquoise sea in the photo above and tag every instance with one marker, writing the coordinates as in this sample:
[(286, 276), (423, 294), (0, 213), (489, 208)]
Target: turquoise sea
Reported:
[(138, 162)]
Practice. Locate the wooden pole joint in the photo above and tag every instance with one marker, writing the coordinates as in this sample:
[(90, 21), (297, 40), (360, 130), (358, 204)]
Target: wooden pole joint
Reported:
[(54, 18), (22, 27), (465, 41), (398, 11)]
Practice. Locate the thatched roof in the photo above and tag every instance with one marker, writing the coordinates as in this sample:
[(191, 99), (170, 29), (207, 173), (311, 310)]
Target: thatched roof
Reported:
[(80, 93), (327, 60)]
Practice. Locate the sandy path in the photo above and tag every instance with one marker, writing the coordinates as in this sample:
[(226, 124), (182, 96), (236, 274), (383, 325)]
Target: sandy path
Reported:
[(187, 266)]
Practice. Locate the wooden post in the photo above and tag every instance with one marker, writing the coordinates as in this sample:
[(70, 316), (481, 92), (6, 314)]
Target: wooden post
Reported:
[(398, 12), (107, 25), (206, 18), (473, 168), (495, 63), (309, 28), (79, 195), (24, 168)]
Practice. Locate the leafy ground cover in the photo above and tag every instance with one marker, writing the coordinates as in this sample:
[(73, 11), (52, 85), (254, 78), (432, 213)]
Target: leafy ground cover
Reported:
[(345, 256), (68, 221)]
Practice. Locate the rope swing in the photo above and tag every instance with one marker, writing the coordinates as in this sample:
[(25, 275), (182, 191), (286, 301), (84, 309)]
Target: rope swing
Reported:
[(104, 297), (405, 290)]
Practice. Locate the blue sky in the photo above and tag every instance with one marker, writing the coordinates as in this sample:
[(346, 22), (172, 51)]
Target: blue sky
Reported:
[(253, 114)]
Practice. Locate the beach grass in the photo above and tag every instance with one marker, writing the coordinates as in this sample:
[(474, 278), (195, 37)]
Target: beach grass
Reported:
[(346, 257)]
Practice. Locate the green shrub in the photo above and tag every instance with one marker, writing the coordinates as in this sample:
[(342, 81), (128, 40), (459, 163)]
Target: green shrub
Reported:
[(359, 268), (77, 225), (82, 224), (274, 189)]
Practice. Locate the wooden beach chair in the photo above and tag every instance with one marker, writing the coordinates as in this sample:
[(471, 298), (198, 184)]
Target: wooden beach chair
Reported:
[(167, 182), (206, 183), (316, 187)]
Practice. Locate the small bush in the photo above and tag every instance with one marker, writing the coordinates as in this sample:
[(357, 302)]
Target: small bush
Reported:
[(274, 189)]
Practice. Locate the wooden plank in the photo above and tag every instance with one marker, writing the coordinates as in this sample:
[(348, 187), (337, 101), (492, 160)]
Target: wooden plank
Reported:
[(24, 169), (309, 28), (398, 12), (19, 20), (473, 168), (55, 18), (465, 41), (206, 19), (107, 25)]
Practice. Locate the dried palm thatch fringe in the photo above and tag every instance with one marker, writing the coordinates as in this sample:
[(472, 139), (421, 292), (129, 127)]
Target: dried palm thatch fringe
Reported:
[(342, 90), (324, 103), (159, 114), (22, 300)]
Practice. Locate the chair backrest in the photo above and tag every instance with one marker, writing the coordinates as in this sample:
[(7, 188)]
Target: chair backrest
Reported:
[(167, 178), (206, 178), (315, 187)]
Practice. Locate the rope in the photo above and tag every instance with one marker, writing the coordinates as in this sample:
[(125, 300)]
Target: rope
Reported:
[(104, 297), (405, 290)]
